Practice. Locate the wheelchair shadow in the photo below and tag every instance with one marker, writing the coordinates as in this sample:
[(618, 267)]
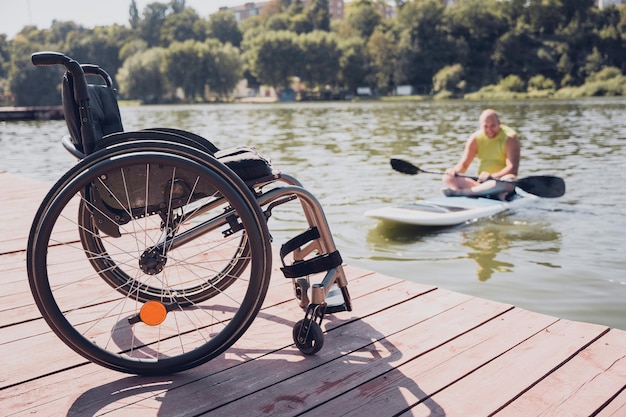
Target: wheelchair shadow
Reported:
[(211, 381)]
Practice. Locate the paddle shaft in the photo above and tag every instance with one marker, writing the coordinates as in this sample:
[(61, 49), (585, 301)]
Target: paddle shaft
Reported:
[(541, 185)]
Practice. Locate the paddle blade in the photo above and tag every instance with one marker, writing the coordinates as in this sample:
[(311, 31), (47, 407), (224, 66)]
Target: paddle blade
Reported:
[(543, 186), (404, 166)]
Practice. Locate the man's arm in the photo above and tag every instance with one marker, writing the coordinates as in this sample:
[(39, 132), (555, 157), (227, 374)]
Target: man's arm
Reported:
[(512, 158)]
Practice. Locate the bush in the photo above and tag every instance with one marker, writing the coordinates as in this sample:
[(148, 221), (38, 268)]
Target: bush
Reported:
[(602, 83), (539, 82), (604, 74), (449, 78), (512, 83)]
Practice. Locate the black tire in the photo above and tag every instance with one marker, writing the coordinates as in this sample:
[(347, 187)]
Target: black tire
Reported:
[(118, 310), (309, 340)]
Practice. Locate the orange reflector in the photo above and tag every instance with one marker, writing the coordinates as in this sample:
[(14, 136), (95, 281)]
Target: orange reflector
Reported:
[(153, 313)]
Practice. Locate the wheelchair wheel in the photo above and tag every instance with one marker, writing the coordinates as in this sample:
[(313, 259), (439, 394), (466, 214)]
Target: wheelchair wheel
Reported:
[(149, 262)]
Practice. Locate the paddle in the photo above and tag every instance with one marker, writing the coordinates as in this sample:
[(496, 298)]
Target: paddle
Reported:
[(540, 185)]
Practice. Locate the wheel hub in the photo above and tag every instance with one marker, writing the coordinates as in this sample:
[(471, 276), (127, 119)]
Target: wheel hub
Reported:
[(152, 261)]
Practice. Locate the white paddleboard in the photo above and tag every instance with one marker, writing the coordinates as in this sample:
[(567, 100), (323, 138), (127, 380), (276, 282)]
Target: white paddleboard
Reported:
[(448, 211)]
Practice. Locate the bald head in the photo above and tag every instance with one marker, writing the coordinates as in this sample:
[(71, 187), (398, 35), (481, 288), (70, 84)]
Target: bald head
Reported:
[(489, 123), (489, 113)]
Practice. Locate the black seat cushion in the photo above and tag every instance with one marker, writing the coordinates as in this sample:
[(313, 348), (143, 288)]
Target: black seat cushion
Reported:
[(247, 162)]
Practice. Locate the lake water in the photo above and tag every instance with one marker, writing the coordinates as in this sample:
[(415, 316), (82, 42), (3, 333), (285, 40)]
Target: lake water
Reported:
[(564, 257)]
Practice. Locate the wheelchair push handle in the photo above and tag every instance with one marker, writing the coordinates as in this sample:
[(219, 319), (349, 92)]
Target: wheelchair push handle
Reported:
[(55, 58), (81, 94)]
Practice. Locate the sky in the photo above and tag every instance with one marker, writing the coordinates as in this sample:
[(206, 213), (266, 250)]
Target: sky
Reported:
[(15, 14)]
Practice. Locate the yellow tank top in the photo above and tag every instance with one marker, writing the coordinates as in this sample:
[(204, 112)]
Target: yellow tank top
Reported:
[(492, 152)]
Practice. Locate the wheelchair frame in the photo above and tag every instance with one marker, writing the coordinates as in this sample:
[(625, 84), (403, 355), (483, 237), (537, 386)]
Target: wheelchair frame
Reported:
[(152, 255)]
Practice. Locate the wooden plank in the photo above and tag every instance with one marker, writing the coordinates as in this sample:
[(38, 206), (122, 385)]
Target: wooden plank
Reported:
[(581, 386), (264, 372), (386, 343), (271, 331), (506, 376), (422, 375), (615, 408), (25, 196)]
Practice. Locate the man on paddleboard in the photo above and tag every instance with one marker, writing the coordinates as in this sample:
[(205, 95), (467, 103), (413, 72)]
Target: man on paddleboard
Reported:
[(498, 150)]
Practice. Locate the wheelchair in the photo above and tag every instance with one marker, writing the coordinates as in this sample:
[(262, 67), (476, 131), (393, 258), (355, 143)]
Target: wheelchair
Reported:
[(152, 254)]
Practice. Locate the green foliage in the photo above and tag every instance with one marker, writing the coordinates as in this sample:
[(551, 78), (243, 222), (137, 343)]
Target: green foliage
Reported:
[(33, 86), (223, 27), (274, 57), (362, 17), (511, 83), (605, 74), (185, 66), (154, 15), (607, 82), (5, 57), (142, 76), (500, 47), (382, 50), (224, 67), (179, 26), (321, 58), (449, 79), (318, 14), (424, 45), (355, 64), (540, 82)]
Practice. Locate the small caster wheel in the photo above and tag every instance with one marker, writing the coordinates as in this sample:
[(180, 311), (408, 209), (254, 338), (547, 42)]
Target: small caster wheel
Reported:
[(309, 339)]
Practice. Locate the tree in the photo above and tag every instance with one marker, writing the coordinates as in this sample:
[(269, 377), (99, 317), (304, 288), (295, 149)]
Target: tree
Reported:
[(526, 58), (154, 14), (142, 77), (274, 57), (179, 27), (318, 14), (33, 86), (223, 27), (479, 23), (185, 67), (424, 45), (449, 78), (5, 57), (355, 64), (321, 56), (224, 67), (382, 50), (544, 16), (131, 48), (133, 15), (363, 17)]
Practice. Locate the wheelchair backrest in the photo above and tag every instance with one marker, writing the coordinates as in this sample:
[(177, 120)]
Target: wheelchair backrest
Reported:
[(104, 110)]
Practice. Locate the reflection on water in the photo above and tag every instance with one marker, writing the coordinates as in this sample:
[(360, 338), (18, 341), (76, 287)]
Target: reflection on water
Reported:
[(563, 257), (484, 240), (485, 243)]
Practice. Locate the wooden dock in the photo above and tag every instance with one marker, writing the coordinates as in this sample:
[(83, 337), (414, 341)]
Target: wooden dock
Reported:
[(32, 113), (406, 349)]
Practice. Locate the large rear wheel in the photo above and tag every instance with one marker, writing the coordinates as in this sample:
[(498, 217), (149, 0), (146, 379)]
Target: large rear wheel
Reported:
[(149, 262)]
